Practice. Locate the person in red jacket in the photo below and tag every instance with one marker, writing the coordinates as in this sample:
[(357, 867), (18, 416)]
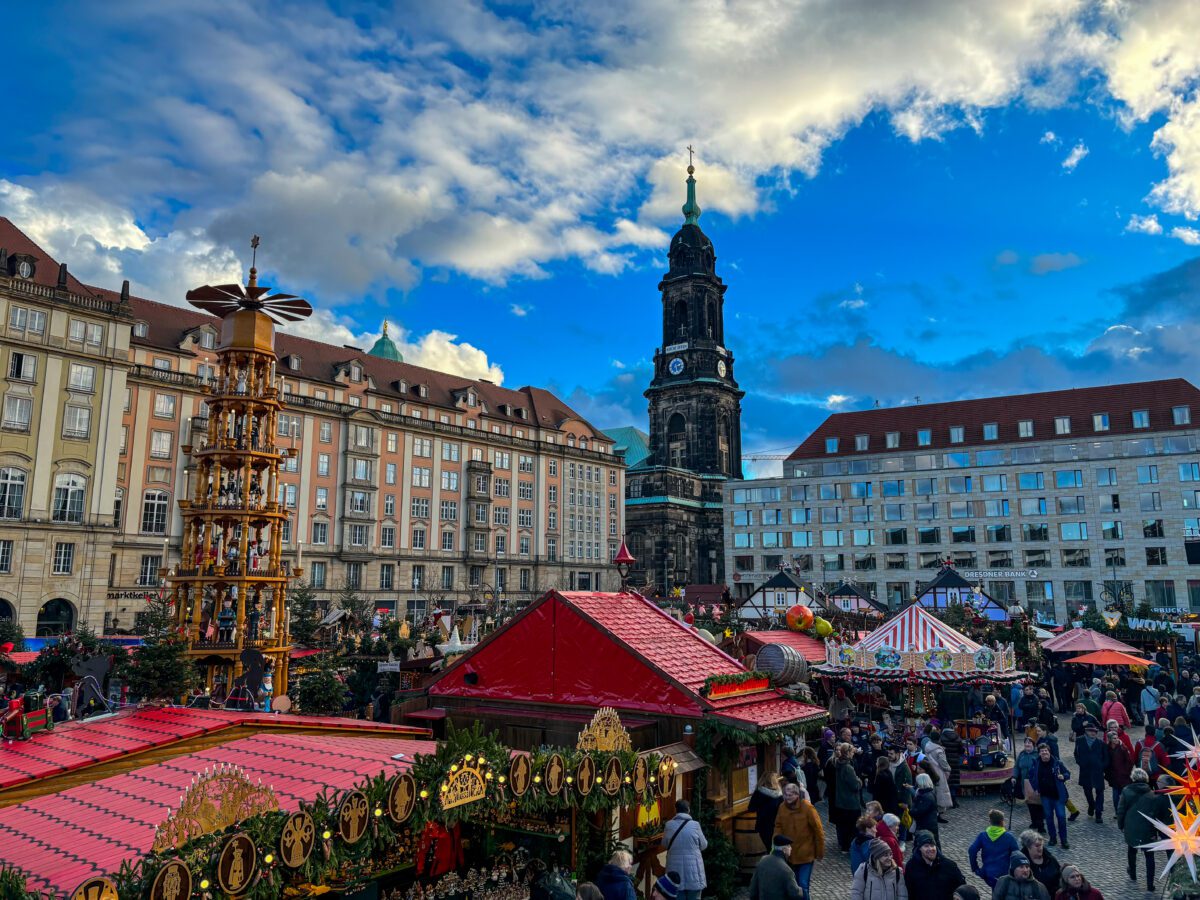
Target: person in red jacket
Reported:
[(1075, 886), (1114, 709), (1154, 745), (884, 832)]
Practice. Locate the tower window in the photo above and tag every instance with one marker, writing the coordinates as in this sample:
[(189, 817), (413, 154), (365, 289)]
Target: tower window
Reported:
[(680, 318), (677, 441)]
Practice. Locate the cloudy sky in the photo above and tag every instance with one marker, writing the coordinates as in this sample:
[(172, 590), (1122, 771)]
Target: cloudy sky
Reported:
[(916, 199)]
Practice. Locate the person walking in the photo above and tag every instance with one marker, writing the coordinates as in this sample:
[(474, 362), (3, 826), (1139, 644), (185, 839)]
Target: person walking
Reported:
[(1019, 883), (1091, 755), (1075, 886), (924, 810), (615, 878), (1046, 868), (764, 803), (935, 754), (798, 821), (1149, 700), (685, 843), (990, 852), (1025, 789), (879, 878), (1115, 710), (953, 745), (883, 786), (811, 770), (1049, 778), (864, 835), (847, 802), (666, 888), (773, 876), (929, 875), (1138, 801), (1120, 765)]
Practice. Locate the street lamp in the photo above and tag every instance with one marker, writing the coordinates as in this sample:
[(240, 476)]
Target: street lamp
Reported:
[(624, 561)]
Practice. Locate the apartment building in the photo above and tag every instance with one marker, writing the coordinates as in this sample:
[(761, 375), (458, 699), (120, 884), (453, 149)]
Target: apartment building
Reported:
[(1051, 500), (419, 488), (65, 358)]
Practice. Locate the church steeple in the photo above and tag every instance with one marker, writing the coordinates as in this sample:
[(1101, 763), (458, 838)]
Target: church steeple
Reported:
[(691, 209)]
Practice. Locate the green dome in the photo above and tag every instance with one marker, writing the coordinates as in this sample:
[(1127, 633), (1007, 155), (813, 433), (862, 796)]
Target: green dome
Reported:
[(385, 347)]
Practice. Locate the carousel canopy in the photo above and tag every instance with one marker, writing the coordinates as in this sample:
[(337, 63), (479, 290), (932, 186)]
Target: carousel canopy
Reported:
[(916, 645), (1084, 640)]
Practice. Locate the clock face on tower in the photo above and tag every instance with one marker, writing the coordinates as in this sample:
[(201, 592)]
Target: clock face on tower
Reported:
[(675, 366), (721, 370)]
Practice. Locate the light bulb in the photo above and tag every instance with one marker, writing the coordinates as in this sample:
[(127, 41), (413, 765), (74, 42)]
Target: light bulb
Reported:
[(378, 812), (326, 834)]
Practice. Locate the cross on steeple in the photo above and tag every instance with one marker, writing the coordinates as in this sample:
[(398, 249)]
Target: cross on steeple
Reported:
[(690, 153)]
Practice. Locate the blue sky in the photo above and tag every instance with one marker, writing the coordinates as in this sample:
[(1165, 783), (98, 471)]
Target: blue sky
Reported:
[(907, 200)]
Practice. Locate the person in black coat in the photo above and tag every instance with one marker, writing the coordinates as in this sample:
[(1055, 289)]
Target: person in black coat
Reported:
[(953, 746), (812, 774), (929, 875), (764, 803), (883, 787), (1091, 753), (924, 809)]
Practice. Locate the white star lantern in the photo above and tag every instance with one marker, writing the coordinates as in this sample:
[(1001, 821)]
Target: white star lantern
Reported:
[(1182, 841), (1190, 751)]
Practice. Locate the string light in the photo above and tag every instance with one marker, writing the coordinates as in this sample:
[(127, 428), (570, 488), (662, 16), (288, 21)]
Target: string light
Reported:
[(326, 834)]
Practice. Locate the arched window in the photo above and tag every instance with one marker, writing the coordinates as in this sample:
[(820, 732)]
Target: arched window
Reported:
[(583, 443), (55, 618), (154, 512), (679, 315), (677, 441), (7, 611), (68, 498), (12, 493)]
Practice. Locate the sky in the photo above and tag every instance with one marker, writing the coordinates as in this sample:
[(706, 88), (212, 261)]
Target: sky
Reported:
[(910, 202)]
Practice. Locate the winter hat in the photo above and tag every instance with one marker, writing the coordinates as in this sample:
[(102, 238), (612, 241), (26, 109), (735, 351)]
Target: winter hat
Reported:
[(827, 733), (879, 850), (781, 840), (668, 885), (949, 734), (1016, 860), (966, 892), (923, 838)]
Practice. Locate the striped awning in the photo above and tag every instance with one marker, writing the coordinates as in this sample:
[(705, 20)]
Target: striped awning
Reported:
[(916, 629), (924, 677)]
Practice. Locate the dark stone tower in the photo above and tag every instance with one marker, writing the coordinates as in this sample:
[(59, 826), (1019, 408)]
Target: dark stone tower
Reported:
[(673, 509)]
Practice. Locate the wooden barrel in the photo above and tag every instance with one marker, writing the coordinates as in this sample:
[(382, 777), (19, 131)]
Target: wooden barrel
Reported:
[(784, 664), (747, 843)]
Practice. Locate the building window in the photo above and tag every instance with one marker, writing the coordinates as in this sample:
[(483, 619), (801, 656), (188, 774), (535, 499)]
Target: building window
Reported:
[(354, 575), (77, 421), (1160, 594), (420, 476), (924, 437), (1025, 428), (68, 499), (449, 511), (387, 537), (22, 366), (1035, 531), (892, 440), (6, 556), (317, 574), (17, 412), (831, 445), (449, 481), (1150, 501), (359, 502), (322, 501), (160, 444), (861, 441), (991, 431), (1106, 477), (956, 434), (1068, 478), (418, 539), (148, 574), (154, 512), (1147, 474), (64, 558), (447, 540), (419, 508), (320, 533), (12, 493), (1181, 415), (1076, 559), (1073, 531), (1141, 418), (326, 433), (1062, 424), (387, 577), (389, 504)]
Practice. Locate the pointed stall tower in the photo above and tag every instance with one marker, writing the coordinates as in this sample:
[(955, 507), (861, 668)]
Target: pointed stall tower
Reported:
[(230, 590)]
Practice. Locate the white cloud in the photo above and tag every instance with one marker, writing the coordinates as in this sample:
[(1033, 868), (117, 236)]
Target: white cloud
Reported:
[(1187, 235), (617, 364), (836, 401), (520, 310), (1144, 224), (856, 303), (1075, 157), (1050, 138)]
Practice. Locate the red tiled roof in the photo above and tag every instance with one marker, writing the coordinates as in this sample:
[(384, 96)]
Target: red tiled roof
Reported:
[(810, 648), (663, 641), (1118, 400), (14, 240), (61, 839), (78, 745), (768, 711), (22, 657)]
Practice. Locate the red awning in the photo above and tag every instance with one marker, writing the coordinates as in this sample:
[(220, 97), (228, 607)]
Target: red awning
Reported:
[(429, 715), (62, 839)]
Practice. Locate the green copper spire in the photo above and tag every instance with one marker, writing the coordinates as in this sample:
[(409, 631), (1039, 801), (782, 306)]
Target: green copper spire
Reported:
[(691, 209)]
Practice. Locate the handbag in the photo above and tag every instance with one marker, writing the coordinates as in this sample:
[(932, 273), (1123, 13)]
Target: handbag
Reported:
[(906, 819)]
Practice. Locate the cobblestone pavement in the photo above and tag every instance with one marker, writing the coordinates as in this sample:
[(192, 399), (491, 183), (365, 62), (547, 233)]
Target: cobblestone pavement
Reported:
[(1097, 849)]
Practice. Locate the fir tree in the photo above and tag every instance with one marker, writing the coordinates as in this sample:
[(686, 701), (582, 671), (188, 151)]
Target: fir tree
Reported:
[(302, 604), (160, 669), (320, 692)]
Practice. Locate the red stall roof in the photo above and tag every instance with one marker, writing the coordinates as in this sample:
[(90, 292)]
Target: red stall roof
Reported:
[(810, 648), (587, 649), (62, 839), (77, 745)]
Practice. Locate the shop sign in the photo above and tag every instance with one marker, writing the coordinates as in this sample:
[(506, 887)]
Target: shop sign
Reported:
[(402, 798), (991, 574), (466, 785), (132, 595), (737, 689), (236, 865), (675, 348), (352, 817), (1148, 624), (173, 882), (641, 776), (605, 733), (666, 776), (95, 889), (297, 840)]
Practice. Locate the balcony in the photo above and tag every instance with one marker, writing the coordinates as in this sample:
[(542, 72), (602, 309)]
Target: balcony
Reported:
[(167, 376)]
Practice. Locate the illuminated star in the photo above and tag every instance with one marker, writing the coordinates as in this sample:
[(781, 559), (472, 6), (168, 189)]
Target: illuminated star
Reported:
[(1188, 788), (1190, 751), (1182, 841)]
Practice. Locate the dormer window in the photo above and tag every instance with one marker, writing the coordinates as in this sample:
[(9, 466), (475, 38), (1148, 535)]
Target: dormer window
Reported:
[(356, 373), (140, 329), (924, 437), (293, 362), (862, 441), (991, 431), (1025, 428), (893, 440), (831, 445), (523, 413), (1062, 424), (1100, 422), (1141, 418), (471, 400), (208, 340), (956, 434), (422, 390)]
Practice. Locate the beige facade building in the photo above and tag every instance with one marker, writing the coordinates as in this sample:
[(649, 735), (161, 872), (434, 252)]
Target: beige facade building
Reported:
[(421, 489)]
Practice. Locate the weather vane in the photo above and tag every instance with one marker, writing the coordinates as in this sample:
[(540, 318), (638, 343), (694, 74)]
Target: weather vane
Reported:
[(254, 247)]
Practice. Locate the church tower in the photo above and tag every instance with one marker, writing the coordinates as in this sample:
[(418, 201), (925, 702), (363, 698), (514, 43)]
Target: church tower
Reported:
[(695, 403)]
